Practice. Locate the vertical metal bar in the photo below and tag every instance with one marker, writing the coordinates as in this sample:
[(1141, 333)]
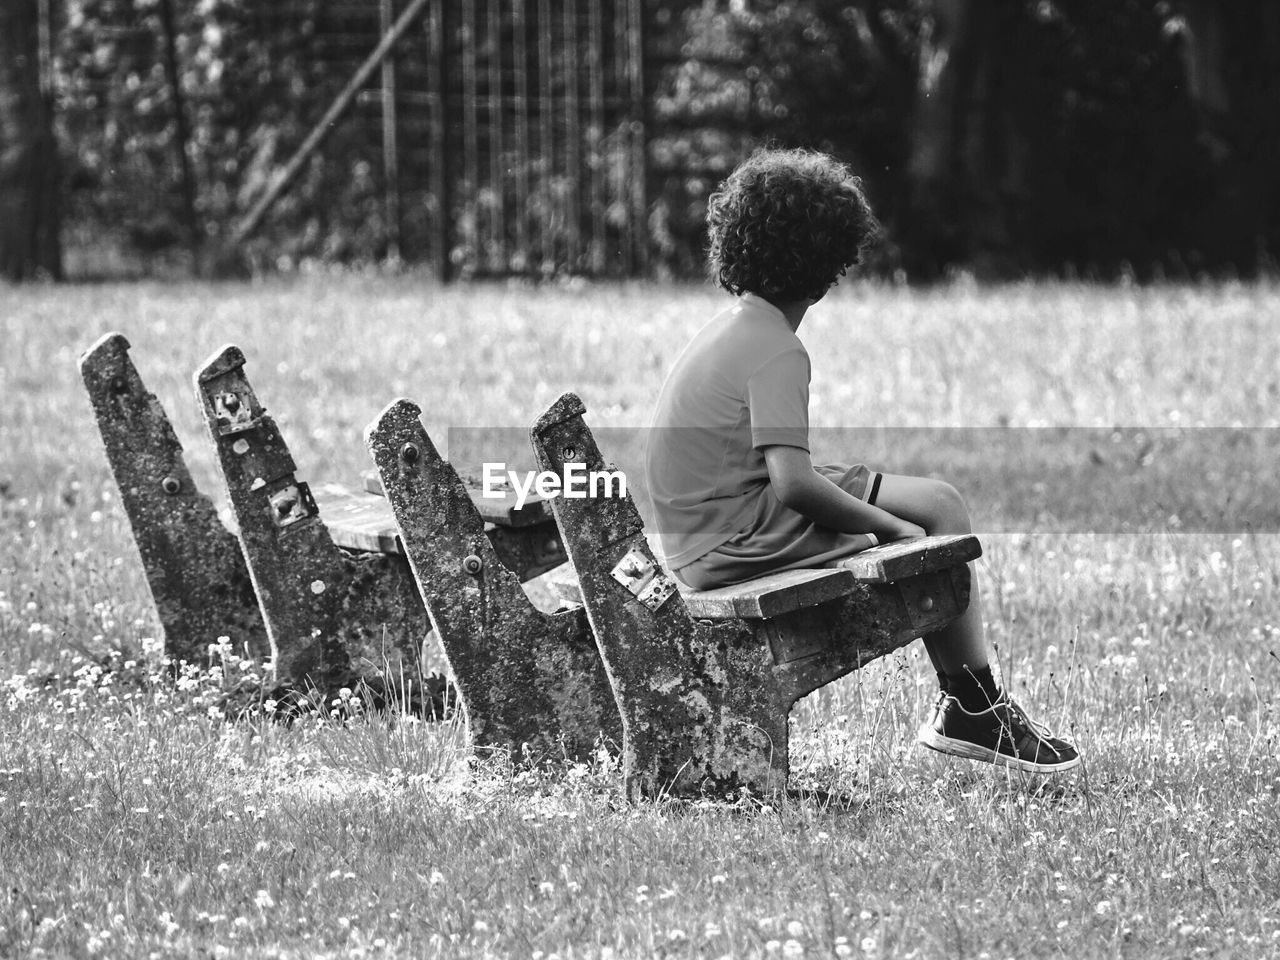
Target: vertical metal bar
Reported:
[(439, 106), (599, 169), (639, 232), (390, 150), (470, 120), (573, 136), (44, 33), (182, 130), (546, 144), (497, 148), (520, 51)]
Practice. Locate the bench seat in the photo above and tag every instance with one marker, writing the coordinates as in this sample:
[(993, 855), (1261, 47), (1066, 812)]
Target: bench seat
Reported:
[(778, 593), (364, 520)]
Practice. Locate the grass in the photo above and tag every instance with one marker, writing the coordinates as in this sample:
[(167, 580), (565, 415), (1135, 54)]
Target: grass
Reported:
[(139, 820)]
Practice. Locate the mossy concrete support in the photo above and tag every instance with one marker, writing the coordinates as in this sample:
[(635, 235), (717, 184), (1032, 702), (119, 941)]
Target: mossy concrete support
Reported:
[(333, 617), (528, 679), (704, 705), (198, 578)]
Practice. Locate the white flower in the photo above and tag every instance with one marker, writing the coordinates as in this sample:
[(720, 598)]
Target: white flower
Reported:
[(262, 900)]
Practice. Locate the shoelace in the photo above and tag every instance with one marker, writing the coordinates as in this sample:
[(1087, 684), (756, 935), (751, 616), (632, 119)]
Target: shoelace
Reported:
[(1043, 733)]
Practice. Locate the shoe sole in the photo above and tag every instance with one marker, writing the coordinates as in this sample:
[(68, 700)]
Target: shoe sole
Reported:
[(971, 751)]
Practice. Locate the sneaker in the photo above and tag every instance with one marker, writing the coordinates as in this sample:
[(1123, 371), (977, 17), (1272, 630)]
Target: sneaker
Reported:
[(1001, 734)]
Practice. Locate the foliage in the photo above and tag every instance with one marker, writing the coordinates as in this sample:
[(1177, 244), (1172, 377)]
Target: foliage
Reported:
[(1077, 141)]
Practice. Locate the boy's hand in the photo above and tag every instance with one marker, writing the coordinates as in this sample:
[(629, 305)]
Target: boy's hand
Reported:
[(798, 486)]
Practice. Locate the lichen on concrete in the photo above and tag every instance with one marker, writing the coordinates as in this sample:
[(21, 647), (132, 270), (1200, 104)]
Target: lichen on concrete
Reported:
[(194, 568), (529, 680)]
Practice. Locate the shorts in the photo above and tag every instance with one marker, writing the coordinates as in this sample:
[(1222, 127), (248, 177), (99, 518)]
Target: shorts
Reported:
[(780, 538)]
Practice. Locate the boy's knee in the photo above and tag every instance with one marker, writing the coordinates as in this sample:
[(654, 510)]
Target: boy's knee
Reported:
[(948, 510)]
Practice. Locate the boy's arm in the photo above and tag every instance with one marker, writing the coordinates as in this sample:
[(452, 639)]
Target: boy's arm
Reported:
[(798, 486)]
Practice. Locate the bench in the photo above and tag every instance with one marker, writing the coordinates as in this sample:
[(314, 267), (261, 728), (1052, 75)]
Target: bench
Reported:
[(318, 583), (528, 679), (705, 681), (343, 585)]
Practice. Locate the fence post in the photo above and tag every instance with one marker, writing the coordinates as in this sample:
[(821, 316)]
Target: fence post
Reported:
[(390, 127)]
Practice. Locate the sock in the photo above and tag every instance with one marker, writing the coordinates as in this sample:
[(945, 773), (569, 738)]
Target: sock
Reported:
[(937, 666), (975, 689)]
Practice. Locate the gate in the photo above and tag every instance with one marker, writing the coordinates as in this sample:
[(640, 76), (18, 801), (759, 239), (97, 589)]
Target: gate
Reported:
[(532, 136)]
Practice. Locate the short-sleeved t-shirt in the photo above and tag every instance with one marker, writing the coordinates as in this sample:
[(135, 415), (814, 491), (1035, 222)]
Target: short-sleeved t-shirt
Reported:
[(741, 384)]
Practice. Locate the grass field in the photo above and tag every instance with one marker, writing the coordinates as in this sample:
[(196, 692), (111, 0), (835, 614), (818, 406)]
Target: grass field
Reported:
[(138, 820)]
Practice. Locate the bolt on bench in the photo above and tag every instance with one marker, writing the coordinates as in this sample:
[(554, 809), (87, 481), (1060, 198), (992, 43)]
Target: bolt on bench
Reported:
[(705, 681)]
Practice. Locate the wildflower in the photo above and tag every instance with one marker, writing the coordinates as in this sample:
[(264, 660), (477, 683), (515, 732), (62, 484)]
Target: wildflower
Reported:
[(868, 944), (719, 878), (793, 948), (795, 928), (676, 934), (546, 888), (223, 869), (771, 946), (262, 900)]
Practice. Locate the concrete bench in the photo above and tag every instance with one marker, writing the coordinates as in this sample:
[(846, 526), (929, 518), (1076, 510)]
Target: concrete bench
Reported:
[(705, 681), (528, 679), (319, 583)]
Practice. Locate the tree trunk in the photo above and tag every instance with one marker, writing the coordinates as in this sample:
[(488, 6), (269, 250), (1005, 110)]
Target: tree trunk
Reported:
[(29, 184), (1233, 69), (933, 233)]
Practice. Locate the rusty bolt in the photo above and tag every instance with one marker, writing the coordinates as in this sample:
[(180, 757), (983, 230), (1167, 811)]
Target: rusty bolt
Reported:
[(171, 485), (120, 385), (230, 402), (410, 453), (285, 506), (926, 604), (569, 453), (472, 564)]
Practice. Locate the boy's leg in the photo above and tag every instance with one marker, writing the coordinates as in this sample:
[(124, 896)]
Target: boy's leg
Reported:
[(959, 649), (974, 718)]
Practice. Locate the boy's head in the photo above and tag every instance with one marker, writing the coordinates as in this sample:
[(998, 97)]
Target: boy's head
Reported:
[(786, 225)]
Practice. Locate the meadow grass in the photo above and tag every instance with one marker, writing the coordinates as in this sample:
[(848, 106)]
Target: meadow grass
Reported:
[(140, 819)]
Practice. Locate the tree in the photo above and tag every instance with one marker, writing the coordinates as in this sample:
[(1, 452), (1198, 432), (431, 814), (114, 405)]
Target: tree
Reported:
[(29, 182)]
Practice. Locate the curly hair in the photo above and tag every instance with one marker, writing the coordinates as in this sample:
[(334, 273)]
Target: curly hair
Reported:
[(787, 224)]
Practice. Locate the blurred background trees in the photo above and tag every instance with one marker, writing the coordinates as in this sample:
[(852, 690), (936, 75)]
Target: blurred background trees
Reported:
[(1033, 136)]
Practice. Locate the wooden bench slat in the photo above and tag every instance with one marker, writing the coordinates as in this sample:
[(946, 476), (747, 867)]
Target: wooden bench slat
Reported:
[(358, 521), (770, 596), (759, 599), (498, 510), (911, 558), (779, 593)]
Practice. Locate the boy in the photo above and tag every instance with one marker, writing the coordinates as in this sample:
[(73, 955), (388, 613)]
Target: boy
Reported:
[(735, 494)]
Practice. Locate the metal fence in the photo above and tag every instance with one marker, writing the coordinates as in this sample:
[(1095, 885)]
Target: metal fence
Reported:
[(528, 121)]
